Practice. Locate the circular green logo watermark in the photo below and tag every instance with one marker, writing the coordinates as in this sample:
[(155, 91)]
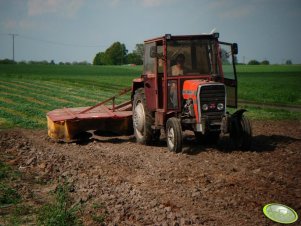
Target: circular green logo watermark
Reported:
[(280, 213)]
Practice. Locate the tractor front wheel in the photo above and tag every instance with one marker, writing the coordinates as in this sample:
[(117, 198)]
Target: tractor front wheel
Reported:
[(142, 119), (241, 132), (174, 136)]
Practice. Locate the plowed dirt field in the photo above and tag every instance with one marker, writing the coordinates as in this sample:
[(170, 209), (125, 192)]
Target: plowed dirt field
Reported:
[(134, 184)]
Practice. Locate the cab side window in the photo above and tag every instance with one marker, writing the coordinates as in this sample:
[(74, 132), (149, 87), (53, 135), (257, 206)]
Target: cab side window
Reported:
[(149, 62), (160, 60)]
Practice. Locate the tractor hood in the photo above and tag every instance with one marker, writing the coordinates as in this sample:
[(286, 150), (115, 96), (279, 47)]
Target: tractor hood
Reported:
[(209, 99), (190, 87)]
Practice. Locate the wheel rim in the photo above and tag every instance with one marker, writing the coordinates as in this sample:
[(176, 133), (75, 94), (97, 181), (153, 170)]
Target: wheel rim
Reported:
[(171, 137), (139, 119)]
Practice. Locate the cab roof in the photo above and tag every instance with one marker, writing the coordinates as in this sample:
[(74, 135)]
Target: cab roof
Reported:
[(183, 37)]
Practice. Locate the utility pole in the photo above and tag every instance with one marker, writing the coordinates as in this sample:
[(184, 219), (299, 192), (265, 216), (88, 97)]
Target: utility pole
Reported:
[(13, 36)]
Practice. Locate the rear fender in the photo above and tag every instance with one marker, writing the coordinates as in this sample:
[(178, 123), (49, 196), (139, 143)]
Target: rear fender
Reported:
[(238, 113), (137, 83), (229, 121)]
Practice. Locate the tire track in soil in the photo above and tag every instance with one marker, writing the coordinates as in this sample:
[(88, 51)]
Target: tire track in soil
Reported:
[(287, 107)]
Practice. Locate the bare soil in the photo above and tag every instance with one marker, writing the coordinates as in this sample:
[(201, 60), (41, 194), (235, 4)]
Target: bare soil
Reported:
[(132, 184)]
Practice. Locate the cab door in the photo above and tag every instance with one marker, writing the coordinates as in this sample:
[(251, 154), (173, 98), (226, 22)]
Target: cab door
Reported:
[(228, 66), (150, 78)]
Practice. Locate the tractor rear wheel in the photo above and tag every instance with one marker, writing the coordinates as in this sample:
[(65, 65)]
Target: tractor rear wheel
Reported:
[(174, 136), (142, 119), (241, 132)]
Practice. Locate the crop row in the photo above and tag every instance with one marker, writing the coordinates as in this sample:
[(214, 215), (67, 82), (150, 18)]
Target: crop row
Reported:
[(60, 93), (25, 103)]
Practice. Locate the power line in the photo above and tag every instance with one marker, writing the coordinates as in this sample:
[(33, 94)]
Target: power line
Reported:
[(13, 36), (53, 42), (60, 43)]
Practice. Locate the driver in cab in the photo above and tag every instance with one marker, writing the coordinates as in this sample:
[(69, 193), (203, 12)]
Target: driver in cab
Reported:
[(178, 68)]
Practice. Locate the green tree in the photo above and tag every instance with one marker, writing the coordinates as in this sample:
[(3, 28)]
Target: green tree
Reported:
[(116, 54), (96, 60), (139, 50), (7, 61), (100, 59), (134, 58), (288, 62), (265, 62), (253, 62)]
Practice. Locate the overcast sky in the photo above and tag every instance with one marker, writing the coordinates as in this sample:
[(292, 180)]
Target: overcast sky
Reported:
[(75, 30)]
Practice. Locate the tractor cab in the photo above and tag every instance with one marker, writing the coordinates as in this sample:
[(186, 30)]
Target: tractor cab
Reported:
[(187, 81), (203, 57)]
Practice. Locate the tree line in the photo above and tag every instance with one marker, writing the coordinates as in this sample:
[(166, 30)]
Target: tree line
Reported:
[(266, 62), (117, 54), (43, 62)]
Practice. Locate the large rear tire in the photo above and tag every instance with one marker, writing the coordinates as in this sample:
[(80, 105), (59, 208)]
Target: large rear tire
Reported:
[(174, 136), (142, 119), (241, 133)]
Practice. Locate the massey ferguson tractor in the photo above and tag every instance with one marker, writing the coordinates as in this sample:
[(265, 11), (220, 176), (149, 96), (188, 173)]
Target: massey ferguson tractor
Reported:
[(187, 84)]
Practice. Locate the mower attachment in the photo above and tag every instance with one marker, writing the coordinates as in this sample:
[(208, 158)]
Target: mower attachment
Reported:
[(68, 123)]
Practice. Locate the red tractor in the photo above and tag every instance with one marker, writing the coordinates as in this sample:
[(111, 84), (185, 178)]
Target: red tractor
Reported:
[(187, 84)]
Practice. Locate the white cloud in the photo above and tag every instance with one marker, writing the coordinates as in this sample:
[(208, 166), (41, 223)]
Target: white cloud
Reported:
[(217, 4), (144, 3), (26, 24), (62, 7), (152, 3), (114, 3), (10, 24), (232, 9), (237, 12), (23, 24)]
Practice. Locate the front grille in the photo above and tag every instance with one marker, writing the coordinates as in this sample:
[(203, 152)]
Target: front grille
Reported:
[(212, 95)]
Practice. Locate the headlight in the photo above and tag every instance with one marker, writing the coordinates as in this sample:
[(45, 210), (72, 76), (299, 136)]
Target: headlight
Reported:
[(205, 107), (220, 106)]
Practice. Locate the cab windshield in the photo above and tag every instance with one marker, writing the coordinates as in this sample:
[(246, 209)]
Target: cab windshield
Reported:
[(190, 57)]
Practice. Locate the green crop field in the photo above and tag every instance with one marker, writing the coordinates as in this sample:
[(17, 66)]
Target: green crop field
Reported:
[(270, 84), (28, 92)]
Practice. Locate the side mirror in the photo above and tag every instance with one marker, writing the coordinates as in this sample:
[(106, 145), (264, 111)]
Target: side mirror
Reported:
[(153, 51), (234, 48)]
